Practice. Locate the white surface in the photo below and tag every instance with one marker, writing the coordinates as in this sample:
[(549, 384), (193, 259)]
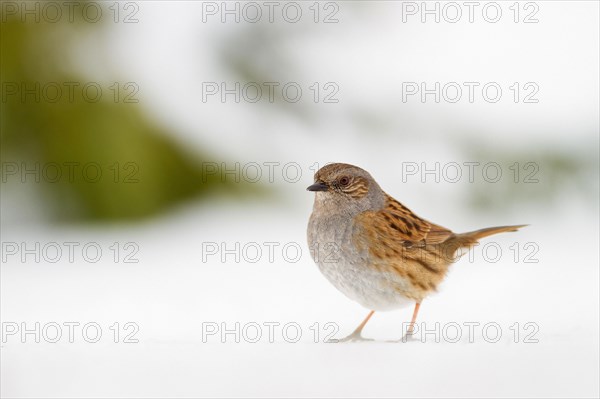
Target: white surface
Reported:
[(170, 293)]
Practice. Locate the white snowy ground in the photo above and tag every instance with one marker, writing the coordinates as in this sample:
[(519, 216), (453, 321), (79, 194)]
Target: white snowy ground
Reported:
[(170, 293)]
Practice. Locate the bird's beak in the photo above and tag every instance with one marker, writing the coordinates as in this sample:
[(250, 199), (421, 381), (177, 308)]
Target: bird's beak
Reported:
[(319, 186)]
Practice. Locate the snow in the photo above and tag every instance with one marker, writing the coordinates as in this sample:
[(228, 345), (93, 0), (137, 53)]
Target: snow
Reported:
[(177, 301)]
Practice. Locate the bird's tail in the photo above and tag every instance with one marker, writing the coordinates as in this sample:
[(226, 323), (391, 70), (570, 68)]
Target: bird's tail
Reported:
[(472, 237)]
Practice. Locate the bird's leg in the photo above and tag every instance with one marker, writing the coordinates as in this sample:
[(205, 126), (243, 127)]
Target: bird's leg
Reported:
[(356, 335), (411, 326)]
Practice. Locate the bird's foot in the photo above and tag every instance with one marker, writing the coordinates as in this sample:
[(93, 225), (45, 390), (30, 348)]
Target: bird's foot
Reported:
[(354, 337)]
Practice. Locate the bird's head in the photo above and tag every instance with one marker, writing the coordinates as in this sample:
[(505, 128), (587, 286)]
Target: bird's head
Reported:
[(341, 186)]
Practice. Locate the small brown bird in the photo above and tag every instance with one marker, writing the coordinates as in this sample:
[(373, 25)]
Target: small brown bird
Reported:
[(374, 249)]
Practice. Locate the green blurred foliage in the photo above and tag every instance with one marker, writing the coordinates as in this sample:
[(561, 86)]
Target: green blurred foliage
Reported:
[(257, 55), (544, 176), (144, 172)]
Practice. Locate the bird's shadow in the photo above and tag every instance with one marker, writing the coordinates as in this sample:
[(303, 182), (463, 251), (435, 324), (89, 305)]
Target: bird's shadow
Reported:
[(405, 339)]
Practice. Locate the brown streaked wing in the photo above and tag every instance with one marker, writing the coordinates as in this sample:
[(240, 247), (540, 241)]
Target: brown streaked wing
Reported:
[(400, 224)]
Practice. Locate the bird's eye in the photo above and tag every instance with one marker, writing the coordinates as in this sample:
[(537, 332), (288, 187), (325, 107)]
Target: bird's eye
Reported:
[(344, 181)]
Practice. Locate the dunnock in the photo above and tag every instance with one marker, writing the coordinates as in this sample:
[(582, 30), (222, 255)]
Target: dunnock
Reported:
[(379, 253)]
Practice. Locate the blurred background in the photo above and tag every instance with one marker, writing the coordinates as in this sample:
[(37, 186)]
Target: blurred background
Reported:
[(138, 123)]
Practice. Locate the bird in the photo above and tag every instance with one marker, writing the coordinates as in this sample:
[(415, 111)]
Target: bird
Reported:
[(375, 250)]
